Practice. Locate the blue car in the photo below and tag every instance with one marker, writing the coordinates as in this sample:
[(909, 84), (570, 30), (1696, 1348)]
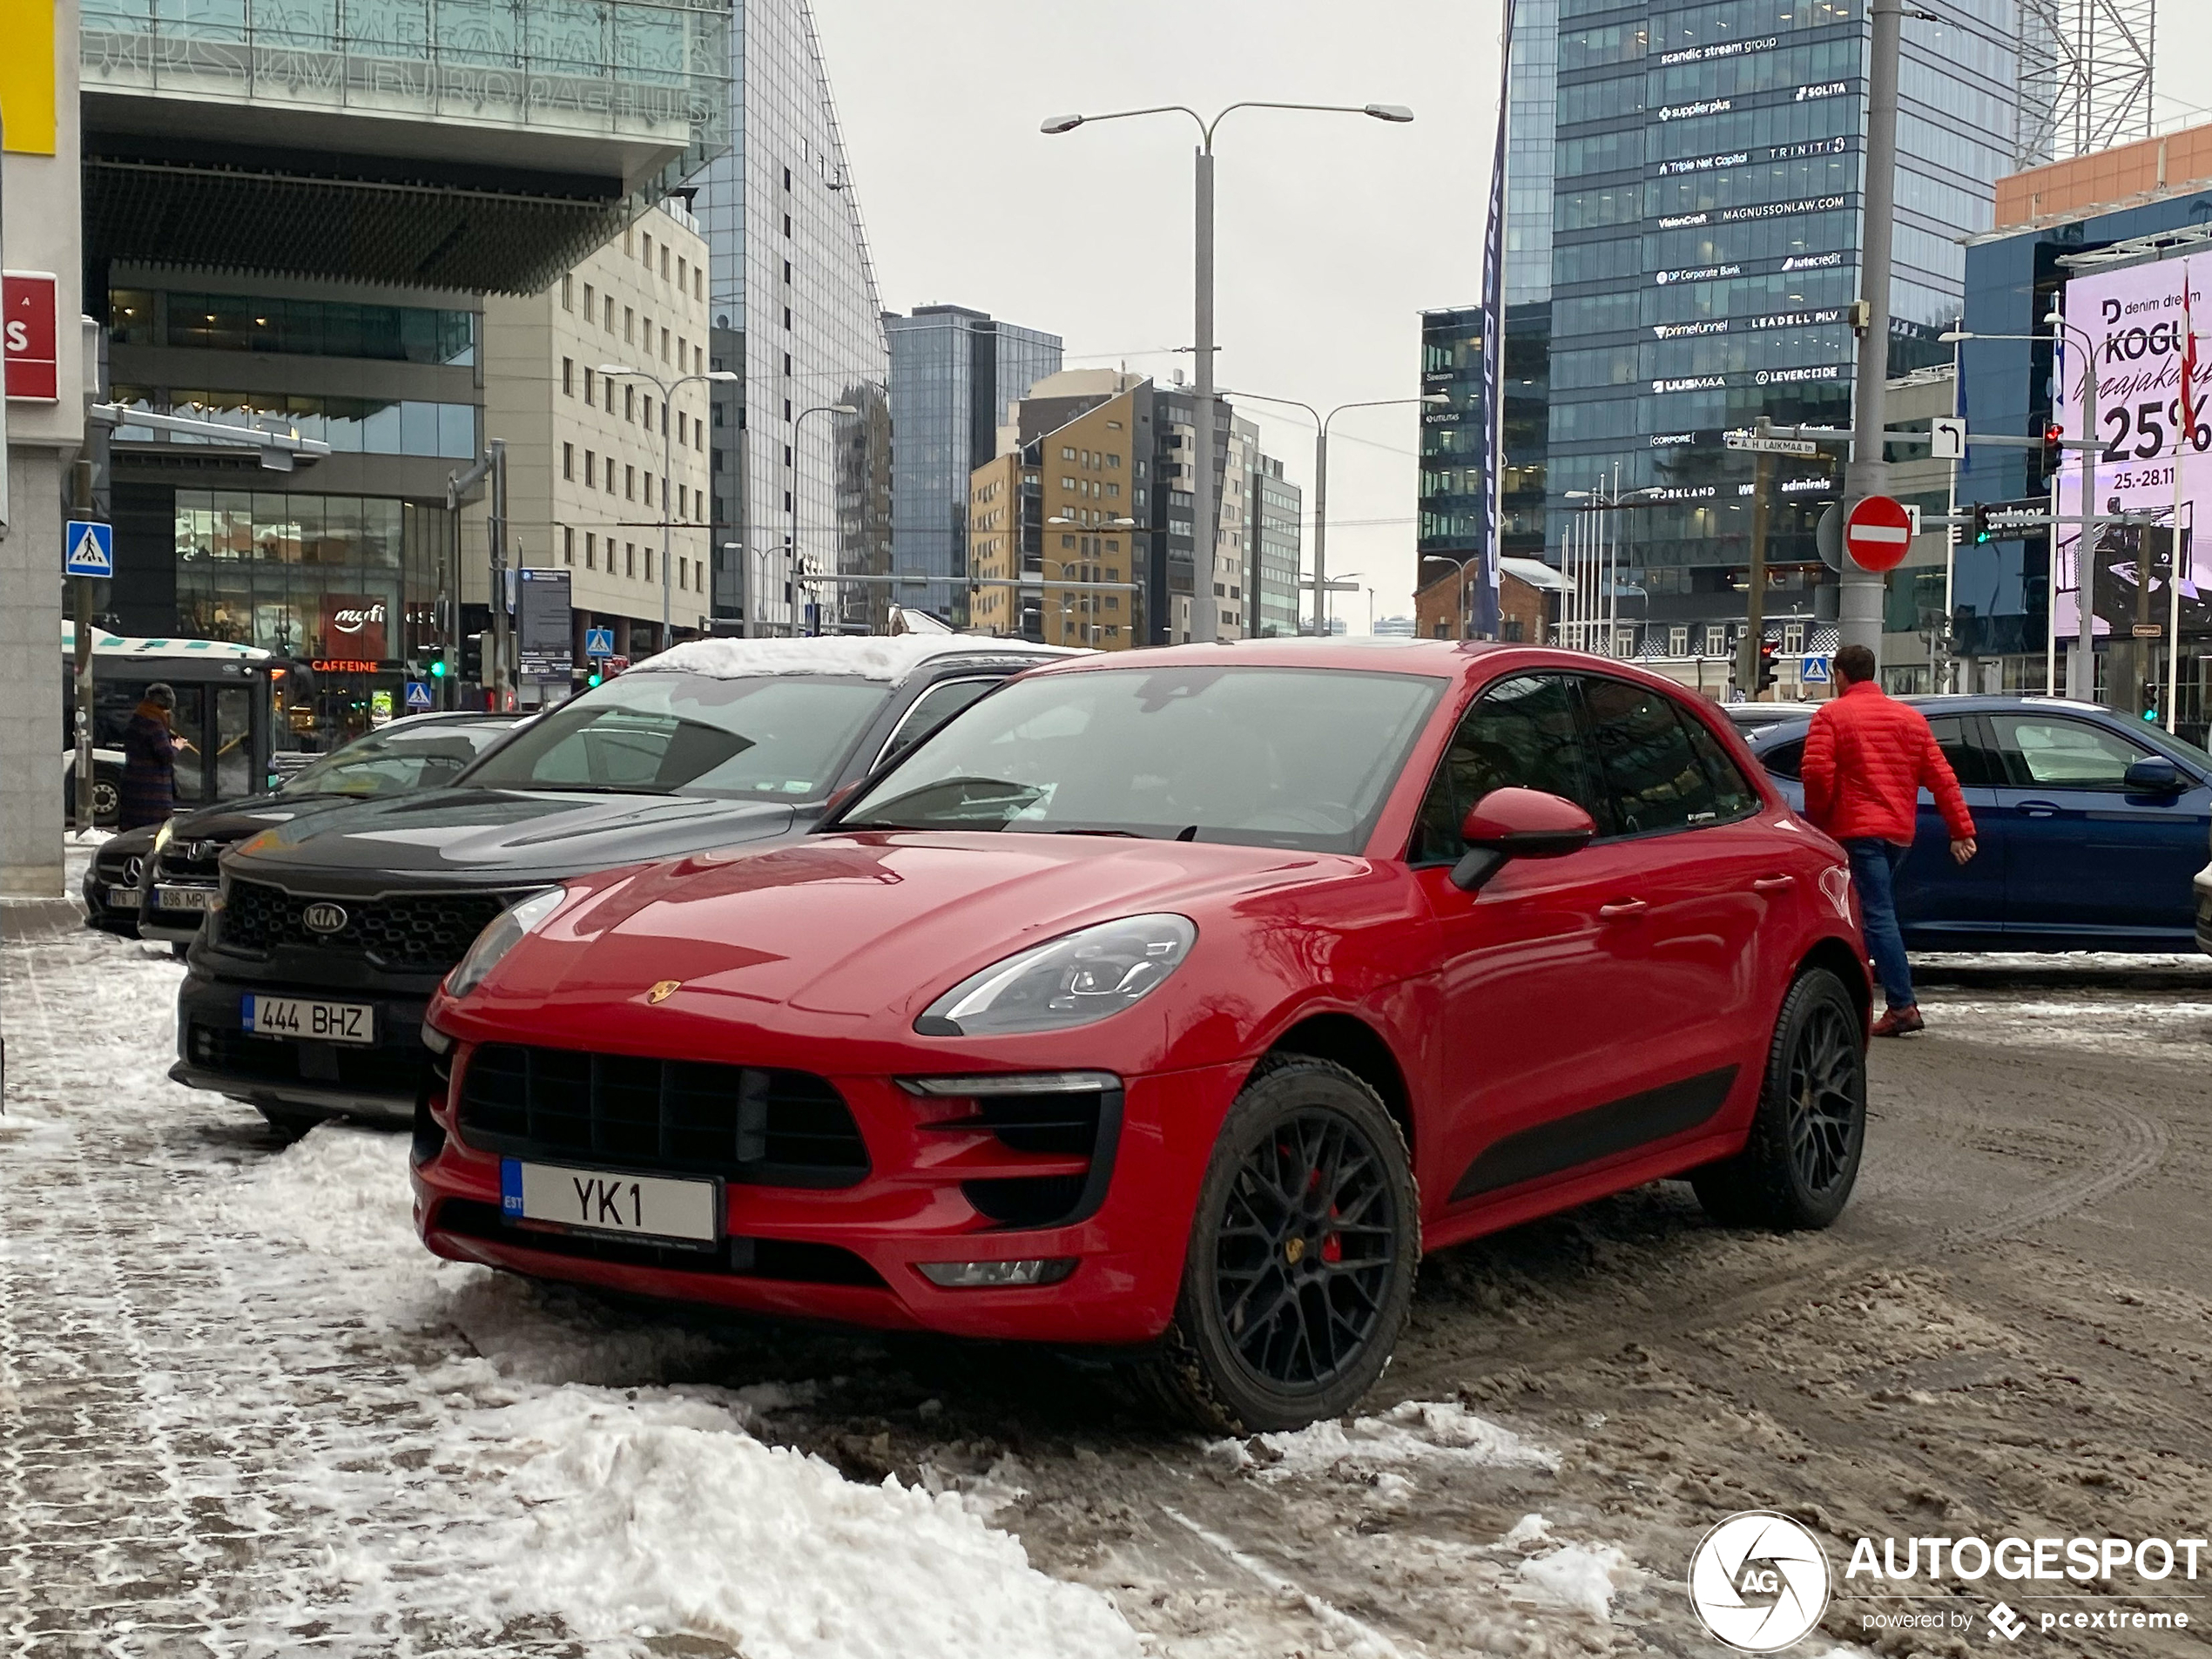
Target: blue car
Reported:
[(2092, 826)]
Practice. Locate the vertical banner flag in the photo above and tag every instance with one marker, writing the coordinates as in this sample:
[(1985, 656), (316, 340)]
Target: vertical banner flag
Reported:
[(1494, 354)]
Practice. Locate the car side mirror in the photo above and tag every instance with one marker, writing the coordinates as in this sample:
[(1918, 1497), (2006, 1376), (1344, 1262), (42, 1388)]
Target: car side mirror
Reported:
[(1518, 824), (2155, 775)]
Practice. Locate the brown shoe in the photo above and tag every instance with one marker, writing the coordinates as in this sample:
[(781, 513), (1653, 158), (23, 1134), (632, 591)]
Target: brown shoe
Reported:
[(1898, 1022)]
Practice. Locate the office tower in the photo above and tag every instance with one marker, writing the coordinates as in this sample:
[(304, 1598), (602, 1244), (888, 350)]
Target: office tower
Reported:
[(1704, 163), (800, 488), (955, 372)]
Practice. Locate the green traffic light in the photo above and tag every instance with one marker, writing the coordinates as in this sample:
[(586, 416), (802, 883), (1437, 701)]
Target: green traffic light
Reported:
[(591, 680), (438, 669)]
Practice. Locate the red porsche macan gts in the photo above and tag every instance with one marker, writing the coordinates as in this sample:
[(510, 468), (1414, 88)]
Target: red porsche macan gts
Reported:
[(1174, 1001)]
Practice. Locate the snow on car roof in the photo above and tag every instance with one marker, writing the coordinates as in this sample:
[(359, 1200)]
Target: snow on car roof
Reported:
[(874, 656)]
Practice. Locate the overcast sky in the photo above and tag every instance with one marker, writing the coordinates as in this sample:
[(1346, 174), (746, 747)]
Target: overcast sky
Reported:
[(1334, 232)]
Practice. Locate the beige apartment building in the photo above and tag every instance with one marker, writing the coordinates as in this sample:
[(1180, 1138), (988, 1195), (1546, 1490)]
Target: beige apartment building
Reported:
[(598, 464), (1046, 509)]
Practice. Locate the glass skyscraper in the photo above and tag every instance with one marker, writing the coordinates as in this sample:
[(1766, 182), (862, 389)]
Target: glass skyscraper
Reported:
[(795, 311), (953, 372), (1702, 161)]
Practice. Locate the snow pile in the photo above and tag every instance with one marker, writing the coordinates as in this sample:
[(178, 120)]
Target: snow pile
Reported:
[(1581, 1577), (873, 657), (662, 1515), (1529, 1529), (636, 1511), (1417, 1432)]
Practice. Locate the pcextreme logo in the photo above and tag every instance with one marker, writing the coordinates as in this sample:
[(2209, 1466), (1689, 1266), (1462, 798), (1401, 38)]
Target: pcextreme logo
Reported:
[(1759, 1581)]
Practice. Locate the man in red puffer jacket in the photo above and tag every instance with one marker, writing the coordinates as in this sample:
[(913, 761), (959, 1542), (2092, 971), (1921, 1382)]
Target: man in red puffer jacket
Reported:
[(1867, 757)]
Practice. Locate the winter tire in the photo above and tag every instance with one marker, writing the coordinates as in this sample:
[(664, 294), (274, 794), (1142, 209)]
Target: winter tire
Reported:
[(1798, 1167), (1303, 1250), (107, 796)]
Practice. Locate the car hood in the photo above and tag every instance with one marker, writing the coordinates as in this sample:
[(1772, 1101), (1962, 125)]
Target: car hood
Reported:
[(870, 923), (234, 820), (503, 835)]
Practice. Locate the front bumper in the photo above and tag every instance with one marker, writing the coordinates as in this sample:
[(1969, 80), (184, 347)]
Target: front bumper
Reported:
[(380, 1080), (102, 916), (854, 1254)]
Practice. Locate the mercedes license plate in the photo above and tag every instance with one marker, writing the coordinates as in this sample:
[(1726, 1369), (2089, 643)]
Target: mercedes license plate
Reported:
[(122, 898), (171, 897), (610, 1200), (297, 1016)]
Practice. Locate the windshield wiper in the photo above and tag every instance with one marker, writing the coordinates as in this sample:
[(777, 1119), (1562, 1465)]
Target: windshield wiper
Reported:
[(578, 789)]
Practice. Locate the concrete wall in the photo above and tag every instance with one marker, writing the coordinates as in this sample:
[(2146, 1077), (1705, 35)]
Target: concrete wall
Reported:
[(41, 219)]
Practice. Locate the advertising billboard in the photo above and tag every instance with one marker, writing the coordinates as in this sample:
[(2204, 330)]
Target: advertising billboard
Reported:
[(544, 640), (2152, 460), (355, 625)]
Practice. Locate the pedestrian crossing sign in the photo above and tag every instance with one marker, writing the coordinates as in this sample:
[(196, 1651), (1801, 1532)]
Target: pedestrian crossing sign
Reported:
[(1813, 671), (87, 549), (418, 695)]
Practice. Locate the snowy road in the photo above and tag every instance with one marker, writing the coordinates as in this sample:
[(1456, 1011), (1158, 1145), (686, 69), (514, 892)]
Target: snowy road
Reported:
[(242, 1413)]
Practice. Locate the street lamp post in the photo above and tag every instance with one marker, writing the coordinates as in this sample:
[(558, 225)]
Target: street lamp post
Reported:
[(619, 371), (1321, 476), (791, 567), (1205, 622), (1459, 590)]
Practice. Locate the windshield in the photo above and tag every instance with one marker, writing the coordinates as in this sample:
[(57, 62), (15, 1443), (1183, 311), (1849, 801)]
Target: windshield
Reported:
[(654, 733), (1267, 756), (396, 761)]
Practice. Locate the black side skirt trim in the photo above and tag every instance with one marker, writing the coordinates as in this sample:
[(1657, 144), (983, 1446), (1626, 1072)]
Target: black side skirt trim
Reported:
[(1601, 1132)]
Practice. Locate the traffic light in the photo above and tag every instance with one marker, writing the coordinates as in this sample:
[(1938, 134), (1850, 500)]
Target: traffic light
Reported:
[(472, 657), (1982, 532), (1768, 673), (593, 679), (437, 668), (2054, 448)]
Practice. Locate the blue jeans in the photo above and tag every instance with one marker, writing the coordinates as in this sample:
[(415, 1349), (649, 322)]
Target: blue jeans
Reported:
[(1874, 865)]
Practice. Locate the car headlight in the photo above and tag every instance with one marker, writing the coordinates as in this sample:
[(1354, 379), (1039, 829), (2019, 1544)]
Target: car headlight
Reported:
[(1067, 982), (501, 934)]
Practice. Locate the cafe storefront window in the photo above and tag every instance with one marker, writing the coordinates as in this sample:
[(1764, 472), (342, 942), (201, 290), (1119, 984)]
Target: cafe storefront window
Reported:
[(343, 582)]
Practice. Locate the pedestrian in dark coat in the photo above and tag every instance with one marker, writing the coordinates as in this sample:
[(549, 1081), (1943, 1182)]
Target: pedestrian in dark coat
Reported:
[(150, 748)]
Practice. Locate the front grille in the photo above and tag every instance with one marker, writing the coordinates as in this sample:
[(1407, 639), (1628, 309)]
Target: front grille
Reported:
[(419, 932), (786, 1260), (395, 1069), (173, 865), (766, 1127)]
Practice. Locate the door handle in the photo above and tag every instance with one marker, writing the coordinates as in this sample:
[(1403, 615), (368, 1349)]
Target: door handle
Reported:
[(1774, 883), (1621, 909), (2040, 808)]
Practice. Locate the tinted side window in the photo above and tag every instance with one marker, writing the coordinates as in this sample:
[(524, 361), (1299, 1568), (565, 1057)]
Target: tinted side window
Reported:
[(931, 710), (2054, 753), (1954, 735), (1733, 795), (1786, 759), (1521, 733), (1653, 777)]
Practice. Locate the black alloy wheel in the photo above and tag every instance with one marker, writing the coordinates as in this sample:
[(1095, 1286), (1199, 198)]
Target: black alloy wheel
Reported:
[(1801, 1158), (1302, 1255), (1303, 1250), (1827, 1096)]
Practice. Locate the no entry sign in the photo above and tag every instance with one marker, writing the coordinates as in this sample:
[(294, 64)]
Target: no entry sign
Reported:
[(1877, 533)]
